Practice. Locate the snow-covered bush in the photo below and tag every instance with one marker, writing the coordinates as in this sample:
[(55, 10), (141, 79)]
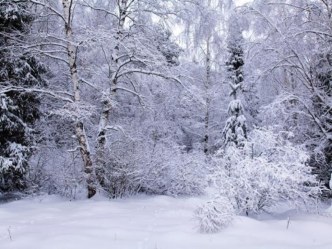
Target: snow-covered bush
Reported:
[(174, 172), (267, 170), (120, 178), (215, 215), (57, 172), (161, 169)]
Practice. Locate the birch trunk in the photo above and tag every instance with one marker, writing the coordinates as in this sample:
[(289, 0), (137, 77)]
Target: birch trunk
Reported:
[(79, 126), (107, 102)]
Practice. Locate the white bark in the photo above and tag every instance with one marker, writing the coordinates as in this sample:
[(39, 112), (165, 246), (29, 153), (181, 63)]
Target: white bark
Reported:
[(79, 126), (107, 98)]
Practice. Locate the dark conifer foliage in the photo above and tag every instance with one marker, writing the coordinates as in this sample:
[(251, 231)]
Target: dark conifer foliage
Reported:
[(18, 108), (321, 159), (235, 131)]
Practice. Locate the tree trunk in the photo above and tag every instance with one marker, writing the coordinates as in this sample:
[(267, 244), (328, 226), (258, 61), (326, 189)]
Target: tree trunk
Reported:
[(79, 126), (207, 96), (107, 100), (101, 141), (86, 156)]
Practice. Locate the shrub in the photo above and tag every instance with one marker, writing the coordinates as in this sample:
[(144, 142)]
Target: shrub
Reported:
[(215, 215), (267, 170)]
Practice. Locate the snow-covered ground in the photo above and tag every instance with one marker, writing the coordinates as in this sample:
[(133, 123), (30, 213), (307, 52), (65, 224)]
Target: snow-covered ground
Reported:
[(147, 222)]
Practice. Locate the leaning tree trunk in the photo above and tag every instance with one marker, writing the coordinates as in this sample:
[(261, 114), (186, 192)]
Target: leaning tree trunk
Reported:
[(79, 126)]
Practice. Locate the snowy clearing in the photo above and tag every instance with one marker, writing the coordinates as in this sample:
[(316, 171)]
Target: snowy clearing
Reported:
[(147, 222)]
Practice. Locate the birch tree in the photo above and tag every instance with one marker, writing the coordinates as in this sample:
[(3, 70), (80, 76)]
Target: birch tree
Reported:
[(204, 32), (140, 47), (126, 43), (62, 45)]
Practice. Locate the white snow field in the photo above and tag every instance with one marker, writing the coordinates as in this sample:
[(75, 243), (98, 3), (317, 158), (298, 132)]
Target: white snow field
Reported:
[(142, 222)]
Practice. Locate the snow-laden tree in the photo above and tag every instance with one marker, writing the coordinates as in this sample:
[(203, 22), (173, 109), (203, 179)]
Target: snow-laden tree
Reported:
[(152, 148), (141, 52), (19, 108), (203, 35), (235, 130), (104, 57), (266, 171), (291, 50)]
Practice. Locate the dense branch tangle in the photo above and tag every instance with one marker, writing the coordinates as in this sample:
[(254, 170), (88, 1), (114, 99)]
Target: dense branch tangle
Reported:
[(127, 48)]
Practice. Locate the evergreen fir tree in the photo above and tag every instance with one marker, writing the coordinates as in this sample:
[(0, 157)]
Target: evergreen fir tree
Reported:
[(18, 109), (235, 131)]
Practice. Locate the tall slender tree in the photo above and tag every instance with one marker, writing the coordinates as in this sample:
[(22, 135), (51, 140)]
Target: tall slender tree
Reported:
[(235, 131), (203, 29)]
